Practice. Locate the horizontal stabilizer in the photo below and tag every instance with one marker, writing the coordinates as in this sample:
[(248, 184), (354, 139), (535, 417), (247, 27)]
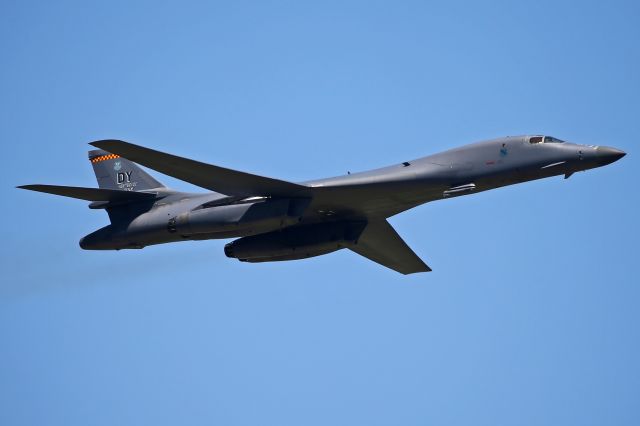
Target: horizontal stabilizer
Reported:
[(382, 244), (215, 178), (91, 194)]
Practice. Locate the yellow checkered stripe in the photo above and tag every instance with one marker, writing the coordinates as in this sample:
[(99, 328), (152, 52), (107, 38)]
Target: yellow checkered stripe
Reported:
[(104, 158)]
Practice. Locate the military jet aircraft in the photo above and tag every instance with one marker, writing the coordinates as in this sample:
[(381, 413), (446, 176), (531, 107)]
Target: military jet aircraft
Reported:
[(276, 220)]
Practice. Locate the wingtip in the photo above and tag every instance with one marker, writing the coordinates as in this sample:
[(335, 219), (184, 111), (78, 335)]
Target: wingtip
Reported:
[(102, 143), (422, 268), (418, 270)]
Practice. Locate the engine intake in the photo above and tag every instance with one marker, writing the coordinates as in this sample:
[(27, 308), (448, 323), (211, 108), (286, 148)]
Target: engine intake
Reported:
[(298, 242)]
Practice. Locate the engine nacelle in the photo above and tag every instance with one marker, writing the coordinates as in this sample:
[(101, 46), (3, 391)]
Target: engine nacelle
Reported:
[(299, 242), (261, 216)]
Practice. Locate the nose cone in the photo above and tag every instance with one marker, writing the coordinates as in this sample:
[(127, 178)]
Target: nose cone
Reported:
[(607, 155)]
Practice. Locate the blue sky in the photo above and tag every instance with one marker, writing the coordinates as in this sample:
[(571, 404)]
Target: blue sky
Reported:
[(530, 316)]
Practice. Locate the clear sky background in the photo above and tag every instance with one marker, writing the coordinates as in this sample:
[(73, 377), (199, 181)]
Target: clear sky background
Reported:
[(530, 317)]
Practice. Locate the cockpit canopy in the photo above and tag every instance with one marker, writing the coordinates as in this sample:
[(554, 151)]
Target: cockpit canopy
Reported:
[(544, 139)]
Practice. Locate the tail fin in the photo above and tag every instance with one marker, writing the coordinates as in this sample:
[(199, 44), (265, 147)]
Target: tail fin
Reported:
[(115, 172)]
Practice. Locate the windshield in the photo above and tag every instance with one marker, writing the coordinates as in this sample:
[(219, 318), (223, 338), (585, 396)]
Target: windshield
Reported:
[(544, 139), (550, 139)]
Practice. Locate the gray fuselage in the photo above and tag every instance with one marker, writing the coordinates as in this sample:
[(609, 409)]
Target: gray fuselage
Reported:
[(381, 193)]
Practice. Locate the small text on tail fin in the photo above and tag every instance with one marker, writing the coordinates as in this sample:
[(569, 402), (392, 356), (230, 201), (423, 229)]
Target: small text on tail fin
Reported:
[(115, 172)]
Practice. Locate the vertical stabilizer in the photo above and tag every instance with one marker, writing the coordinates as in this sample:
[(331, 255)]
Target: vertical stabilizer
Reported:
[(115, 172)]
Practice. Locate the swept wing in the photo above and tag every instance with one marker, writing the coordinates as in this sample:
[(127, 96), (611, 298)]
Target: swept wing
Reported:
[(214, 178)]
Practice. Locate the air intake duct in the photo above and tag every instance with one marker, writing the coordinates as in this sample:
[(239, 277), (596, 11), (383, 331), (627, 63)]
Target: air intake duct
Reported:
[(298, 242)]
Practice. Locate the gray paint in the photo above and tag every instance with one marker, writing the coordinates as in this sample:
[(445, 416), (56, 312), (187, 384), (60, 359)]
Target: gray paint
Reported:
[(277, 220)]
